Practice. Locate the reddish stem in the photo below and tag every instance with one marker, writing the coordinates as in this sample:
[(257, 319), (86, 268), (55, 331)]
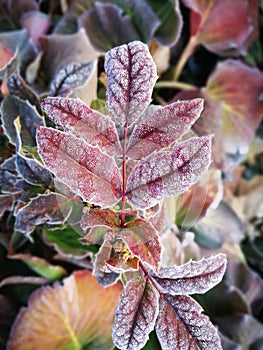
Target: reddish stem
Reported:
[(124, 176)]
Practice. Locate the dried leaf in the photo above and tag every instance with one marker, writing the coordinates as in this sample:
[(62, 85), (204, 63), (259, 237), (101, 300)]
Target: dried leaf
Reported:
[(73, 75), (136, 315), (166, 125), (8, 62), (44, 208), (75, 117), (84, 168), (74, 316), (131, 75), (143, 242), (192, 277), (168, 173), (181, 325)]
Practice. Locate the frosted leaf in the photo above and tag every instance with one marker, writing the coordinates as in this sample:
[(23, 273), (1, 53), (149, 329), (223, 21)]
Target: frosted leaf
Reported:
[(181, 325), (52, 208), (83, 168), (100, 217), (131, 75), (168, 173), (135, 315), (143, 242), (163, 127), (192, 277), (77, 118), (73, 75)]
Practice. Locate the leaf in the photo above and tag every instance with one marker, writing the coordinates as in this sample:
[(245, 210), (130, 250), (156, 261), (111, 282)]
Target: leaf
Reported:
[(77, 118), (41, 266), (181, 325), (6, 203), (67, 242), (19, 88), (84, 168), (131, 75), (168, 173), (44, 208), (73, 75), (78, 314), (36, 23), (135, 315), (223, 27), (100, 217), (171, 21), (192, 277), (143, 242), (8, 62), (164, 126), (102, 23), (12, 107)]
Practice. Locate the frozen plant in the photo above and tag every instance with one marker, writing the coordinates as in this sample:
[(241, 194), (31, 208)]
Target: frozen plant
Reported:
[(123, 165)]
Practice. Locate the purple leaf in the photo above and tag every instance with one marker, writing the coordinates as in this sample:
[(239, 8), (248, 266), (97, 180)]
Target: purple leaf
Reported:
[(131, 75), (75, 117), (6, 203), (32, 171), (143, 242), (163, 127), (84, 168), (135, 315), (12, 107), (180, 325), (192, 277), (100, 217), (73, 75), (52, 208), (102, 24), (168, 173)]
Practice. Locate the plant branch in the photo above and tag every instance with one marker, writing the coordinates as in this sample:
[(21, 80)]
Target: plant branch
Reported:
[(188, 51), (174, 85)]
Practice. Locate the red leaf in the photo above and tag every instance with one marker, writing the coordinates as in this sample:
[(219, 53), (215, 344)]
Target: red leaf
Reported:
[(224, 27), (52, 208), (131, 75), (165, 174), (143, 242), (135, 315), (84, 168), (100, 217), (181, 326), (75, 117), (163, 127), (192, 277)]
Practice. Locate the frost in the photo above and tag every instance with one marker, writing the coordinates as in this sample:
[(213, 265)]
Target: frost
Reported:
[(84, 168), (192, 277), (77, 118), (180, 325), (131, 75), (135, 315), (162, 127), (165, 174)]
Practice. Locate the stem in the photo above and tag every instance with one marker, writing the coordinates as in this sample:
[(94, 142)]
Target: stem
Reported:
[(174, 85), (124, 176), (188, 51), (154, 283)]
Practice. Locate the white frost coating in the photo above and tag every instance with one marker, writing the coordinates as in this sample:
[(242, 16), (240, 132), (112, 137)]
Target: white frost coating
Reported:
[(181, 326), (135, 316), (163, 126), (194, 276), (165, 174), (131, 75), (80, 120)]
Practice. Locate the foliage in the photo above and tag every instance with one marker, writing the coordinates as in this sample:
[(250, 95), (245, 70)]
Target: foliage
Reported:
[(123, 188)]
